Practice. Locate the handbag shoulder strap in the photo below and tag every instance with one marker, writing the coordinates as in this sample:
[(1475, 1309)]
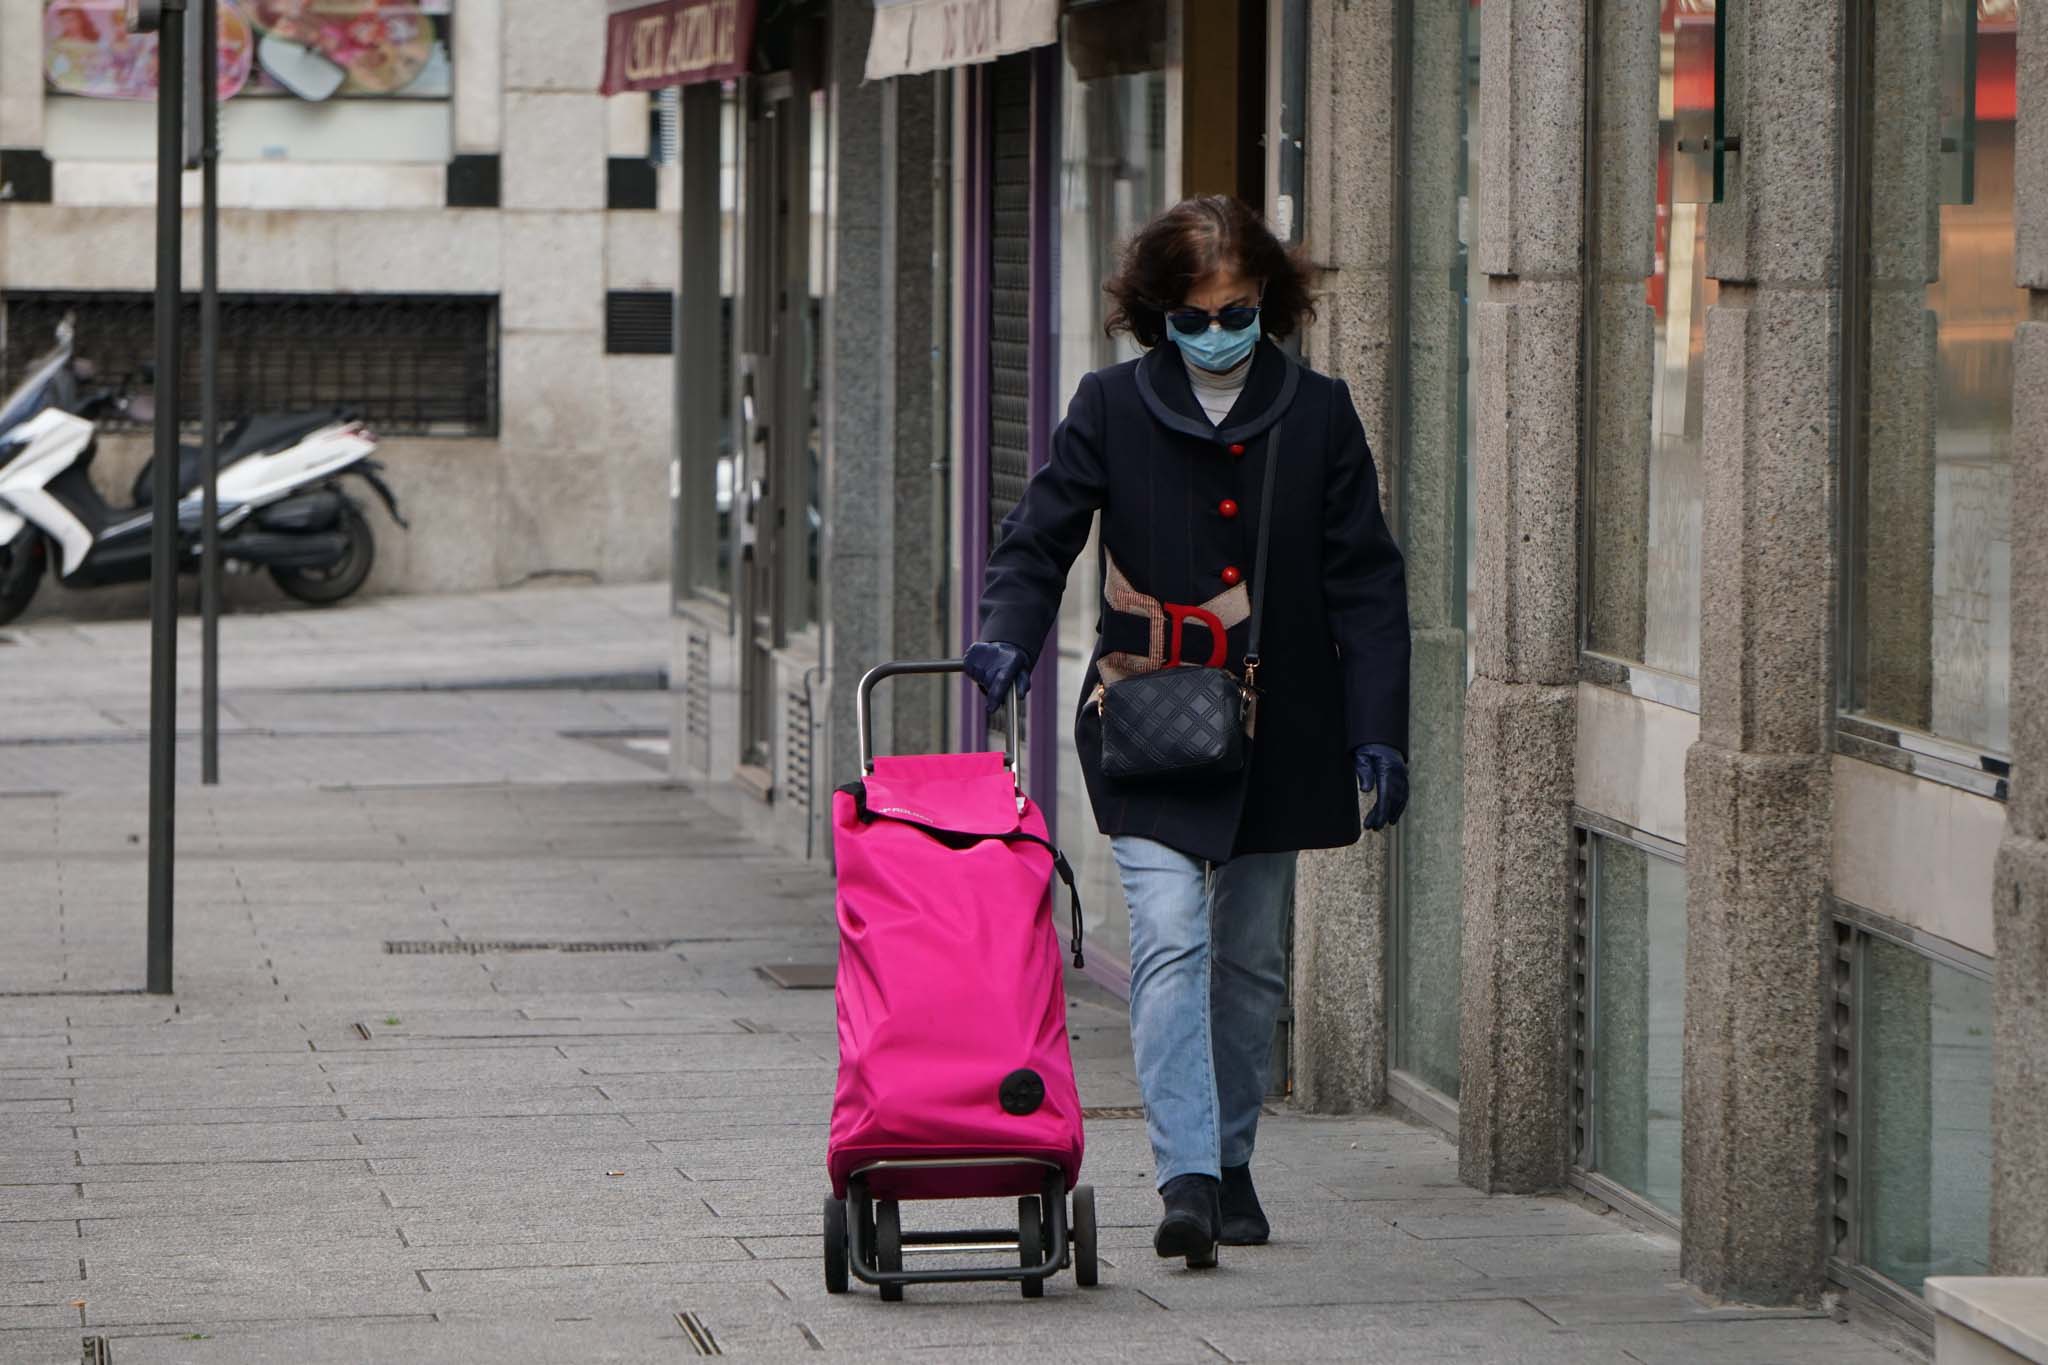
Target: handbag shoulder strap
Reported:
[(1251, 648)]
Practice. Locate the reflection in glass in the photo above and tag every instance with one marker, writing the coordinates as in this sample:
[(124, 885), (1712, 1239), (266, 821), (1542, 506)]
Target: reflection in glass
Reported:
[(1443, 94), (728, 270), (1112, 181), (1648, 379), (1638, 1027), (813, 463), (1930, 548), (1924, 1085)]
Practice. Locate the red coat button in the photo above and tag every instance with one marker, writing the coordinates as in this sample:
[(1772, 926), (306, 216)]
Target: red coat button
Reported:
[(1231, 575), (1237, 449), (1226, 508)]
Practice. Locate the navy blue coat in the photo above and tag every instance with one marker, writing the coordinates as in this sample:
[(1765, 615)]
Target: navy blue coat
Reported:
[(1179, 501)]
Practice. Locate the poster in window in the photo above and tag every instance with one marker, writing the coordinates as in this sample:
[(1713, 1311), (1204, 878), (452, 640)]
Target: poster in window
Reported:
[(305, 49)]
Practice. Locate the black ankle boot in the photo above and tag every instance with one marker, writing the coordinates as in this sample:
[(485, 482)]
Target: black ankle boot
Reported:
[(1244, 1222), (1192, 1214)]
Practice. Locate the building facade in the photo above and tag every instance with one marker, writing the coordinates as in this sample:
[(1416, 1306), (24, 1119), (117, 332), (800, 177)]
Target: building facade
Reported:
[(465, 241), (1700, 345)]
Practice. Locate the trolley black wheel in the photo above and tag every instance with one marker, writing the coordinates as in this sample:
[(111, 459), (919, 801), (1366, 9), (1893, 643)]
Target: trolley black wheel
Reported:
[(1087, 1270), (1030, 1244), (889, 1245), (835, 1246)]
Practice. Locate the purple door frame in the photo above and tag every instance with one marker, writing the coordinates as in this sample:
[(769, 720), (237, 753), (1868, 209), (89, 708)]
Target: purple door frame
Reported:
[(1044, 729), (1042, 725)]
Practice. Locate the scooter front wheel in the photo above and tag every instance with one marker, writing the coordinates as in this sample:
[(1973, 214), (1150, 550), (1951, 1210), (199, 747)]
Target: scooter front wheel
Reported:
[(21, 572), (325, 587)]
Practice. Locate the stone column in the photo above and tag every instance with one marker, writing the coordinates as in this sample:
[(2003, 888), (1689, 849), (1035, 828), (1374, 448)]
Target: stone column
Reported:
[(1520, 715), (853, 569), (883, 553), (1340, 898), (563, 478), (1896, 505), (914, 569), (1758, 792), (2019, 1045)]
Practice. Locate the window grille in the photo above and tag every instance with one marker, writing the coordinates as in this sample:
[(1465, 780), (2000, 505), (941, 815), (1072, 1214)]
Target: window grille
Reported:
[(408, 364)]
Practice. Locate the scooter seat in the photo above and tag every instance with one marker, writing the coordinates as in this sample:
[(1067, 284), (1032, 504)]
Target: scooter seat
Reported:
[(257, 435)]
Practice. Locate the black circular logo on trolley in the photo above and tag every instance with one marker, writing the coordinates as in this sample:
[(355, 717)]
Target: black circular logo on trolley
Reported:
[(1022, 1091)]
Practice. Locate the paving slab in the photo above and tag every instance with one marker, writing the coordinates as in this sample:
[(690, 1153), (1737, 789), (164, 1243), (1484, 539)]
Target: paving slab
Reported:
[(323, 1150)]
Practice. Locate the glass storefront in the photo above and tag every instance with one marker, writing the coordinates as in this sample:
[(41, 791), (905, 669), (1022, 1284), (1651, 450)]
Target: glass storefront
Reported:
[(1112, 180), (1638, 1018), (1923, 1083), (1647, 377), (1929, 483), (1435, 516)]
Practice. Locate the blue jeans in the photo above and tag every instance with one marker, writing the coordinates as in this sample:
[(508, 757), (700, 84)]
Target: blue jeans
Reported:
[(1208, 974)]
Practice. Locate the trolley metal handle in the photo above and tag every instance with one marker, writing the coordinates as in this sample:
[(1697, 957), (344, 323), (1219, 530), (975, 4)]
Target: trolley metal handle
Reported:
[(896, 667)]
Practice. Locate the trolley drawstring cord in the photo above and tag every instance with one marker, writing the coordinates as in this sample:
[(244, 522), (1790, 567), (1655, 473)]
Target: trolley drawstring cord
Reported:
[(859, 792)]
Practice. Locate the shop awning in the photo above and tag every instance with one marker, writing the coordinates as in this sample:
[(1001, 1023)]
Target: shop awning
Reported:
[(677, 42), (929, 35)]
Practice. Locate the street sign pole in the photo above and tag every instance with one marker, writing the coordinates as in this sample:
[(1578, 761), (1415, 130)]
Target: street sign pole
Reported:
[(167, 17), (209, 392)]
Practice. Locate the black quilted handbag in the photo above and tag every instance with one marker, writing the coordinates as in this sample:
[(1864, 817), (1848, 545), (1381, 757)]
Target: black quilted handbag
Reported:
[(1190, 722)]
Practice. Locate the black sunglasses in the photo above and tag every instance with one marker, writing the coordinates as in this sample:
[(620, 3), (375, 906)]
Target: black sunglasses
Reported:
[(1193, 321)]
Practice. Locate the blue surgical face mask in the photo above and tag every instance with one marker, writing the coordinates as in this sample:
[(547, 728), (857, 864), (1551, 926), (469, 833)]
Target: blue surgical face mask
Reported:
[(1214, 349)]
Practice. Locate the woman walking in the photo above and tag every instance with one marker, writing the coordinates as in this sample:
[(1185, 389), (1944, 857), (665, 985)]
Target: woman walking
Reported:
[(1250, 674)]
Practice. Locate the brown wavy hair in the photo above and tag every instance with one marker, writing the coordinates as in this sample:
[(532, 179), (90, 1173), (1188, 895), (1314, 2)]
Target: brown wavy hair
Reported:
[(1190, 241)]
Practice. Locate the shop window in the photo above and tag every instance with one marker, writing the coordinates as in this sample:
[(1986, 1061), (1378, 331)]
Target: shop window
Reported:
[(1112, 180), (1442, 203), (344, 80), (1652, 92), (408, 364), (1913, 1162), (1928, 463), (1631, 1018)]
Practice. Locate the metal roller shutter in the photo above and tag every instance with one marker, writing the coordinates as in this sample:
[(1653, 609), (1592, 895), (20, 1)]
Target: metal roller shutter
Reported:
[(1010, 304)]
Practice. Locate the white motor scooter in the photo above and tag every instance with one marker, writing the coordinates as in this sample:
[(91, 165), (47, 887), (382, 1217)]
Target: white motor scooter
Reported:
[(281, 507)]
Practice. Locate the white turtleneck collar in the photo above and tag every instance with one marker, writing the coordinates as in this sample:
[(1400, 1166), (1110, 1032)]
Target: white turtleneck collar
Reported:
[(1217, 393)]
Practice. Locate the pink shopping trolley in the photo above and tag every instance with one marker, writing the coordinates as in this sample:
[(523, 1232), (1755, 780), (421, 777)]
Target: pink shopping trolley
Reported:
[(955, 1081)]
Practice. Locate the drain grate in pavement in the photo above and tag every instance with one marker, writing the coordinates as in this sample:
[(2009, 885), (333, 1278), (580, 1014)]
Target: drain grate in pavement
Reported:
[(474, 946), (698, 1335), (96, 1351), (799, 976)]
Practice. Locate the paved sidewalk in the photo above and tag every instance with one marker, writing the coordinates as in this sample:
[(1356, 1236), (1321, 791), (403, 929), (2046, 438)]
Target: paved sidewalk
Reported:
[(471, 1058), (535, 684), (327, 1151)]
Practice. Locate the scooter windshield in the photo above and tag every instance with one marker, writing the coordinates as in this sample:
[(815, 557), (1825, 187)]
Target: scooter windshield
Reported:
[(32, 394)]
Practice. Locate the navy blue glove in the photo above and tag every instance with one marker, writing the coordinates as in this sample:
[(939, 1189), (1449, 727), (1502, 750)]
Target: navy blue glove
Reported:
[(996, 667), (1382, 770)]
